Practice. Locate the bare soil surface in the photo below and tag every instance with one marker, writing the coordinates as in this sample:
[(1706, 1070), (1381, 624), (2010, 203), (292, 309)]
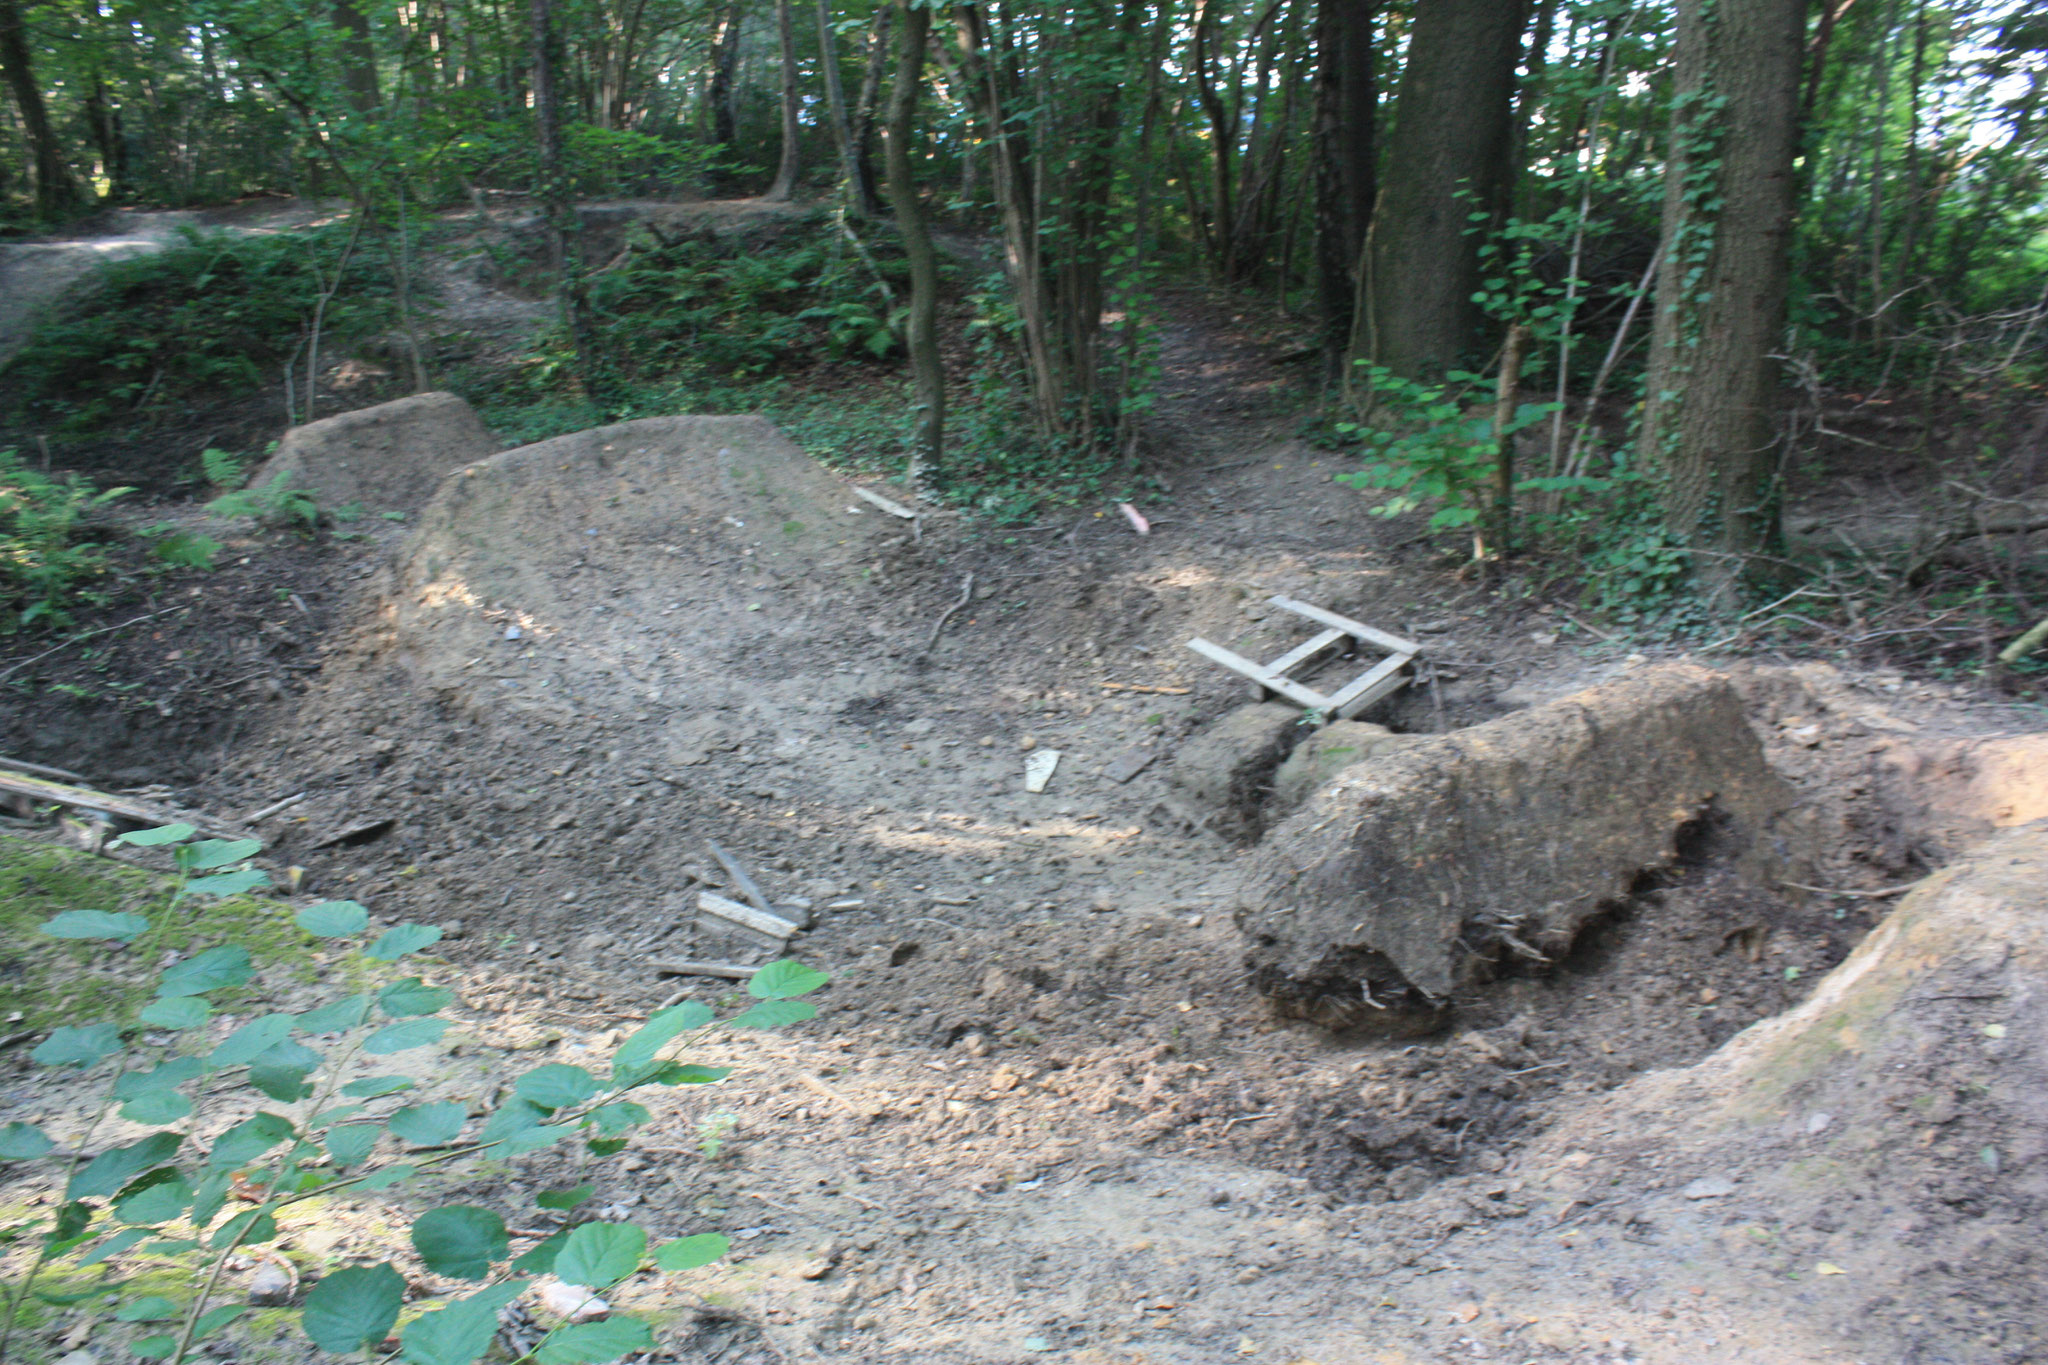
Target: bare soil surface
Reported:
[(1042, 1113)]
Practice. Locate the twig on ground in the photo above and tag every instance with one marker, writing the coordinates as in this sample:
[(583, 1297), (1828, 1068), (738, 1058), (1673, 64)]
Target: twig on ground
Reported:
[(82, 635), (1858, 895), (966, 596)]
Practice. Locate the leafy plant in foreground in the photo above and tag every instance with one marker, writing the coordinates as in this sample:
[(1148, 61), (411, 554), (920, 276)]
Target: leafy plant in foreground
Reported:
[(1433, 451), (44, 566), (333, 1122)]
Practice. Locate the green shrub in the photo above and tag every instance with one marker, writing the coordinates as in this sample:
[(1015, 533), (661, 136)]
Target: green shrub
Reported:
[(45, 568), (321, 1124)]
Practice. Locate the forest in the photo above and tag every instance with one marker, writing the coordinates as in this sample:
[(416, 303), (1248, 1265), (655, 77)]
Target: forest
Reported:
[(1597, 284)]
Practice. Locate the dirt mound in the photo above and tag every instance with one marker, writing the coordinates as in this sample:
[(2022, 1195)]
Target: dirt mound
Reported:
[(387, 458), (597, 570), (1891, 1131), (1419, 872)]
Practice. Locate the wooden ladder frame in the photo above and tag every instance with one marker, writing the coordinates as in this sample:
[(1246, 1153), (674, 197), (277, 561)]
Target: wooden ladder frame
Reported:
[(1381, 680)]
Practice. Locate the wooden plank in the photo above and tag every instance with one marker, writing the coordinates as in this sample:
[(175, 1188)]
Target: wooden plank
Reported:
[(1356, 629), (889, 505), (1130, 763), (22, 765), (1306, 650), (745, 916), (1260, 674), (119, 807), (729, 971), (1382, 681)]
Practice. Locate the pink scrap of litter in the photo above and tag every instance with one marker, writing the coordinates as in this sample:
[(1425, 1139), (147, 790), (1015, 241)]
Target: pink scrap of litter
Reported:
[(1136, 518)]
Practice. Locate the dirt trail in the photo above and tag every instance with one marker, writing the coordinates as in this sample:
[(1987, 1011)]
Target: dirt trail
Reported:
[(1042, 1114)]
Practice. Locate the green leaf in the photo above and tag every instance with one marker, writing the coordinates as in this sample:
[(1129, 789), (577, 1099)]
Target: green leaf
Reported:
[(285, 1084), (157, 1107), (158, 1203), (70, 1228), (71, 1045), (533, 1139), (114, 1246), (249, 1139), (639, 1051), (599, 1255), (513, 1116), (460, 1241), (617, 1117), (336, 1016), (557, 1085), (246, 1043), (96, 924), (333, 919), (210, 1197), (593, 1343), (683, 1073), (253, 1228), (539, 1259), (353, 1308), (389, 1176), (169, 1076), (430, 1125), (605, 1146), (228, 883), (152, 838), (564, 1200), (112, 1169), (688, 1253), (154, 1308), (411, 996), (23, 1142), (179, 1247), (183, 1012), (211, 853), (351, 1142), (208, 971), (401, 939), (785, 980), (214, 1319), (334, 1115), (404, 1037), (774, 1014), (370, 1087), (462, 1332), (154, 1347)]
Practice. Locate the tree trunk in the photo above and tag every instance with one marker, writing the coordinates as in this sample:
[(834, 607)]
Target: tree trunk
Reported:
[(725, 62), (1448, 159), (565, 246), (860, 196), (1710, 397), (56, 193), (358, 57), (928, 445), (870, 97), (1346, 115), (792, 130)]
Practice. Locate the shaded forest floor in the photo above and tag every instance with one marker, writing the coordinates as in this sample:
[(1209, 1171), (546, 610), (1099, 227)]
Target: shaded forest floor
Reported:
[(1041, 1114)]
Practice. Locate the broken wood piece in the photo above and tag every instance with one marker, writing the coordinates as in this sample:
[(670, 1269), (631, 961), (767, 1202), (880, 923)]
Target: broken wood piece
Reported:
[(889, 505), (1145, 688), (1306, 650), (728, 971), (1038, 768), (1130, 763), (22, 765), (138, 814), (818, 1087), (259, 816), (1260, 674), (746, 917), (361, 832), (746, 884), (1357, 630), (1383, 680)]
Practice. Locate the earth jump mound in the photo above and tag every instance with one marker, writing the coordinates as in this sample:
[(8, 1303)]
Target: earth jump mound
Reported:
[(387, 458)]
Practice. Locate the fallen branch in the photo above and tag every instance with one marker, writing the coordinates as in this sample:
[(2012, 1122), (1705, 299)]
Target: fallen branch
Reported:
[(728, 971), (82, 635), (966, 596), (2025, 644), (1883, 894)]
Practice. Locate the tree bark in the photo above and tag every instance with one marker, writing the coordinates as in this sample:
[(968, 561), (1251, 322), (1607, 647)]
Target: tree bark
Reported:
[(56, 192), (870, 97), (860, 195), (565, 246), (792, 130), (1346, 117), (358, 57), (725, 61), (928, 445), (1447, 159), (1711, 395)]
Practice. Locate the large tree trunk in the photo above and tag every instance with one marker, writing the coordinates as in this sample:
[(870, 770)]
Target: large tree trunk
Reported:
[(358, 57), (928, 446), (792, 152), (724, 64), (1446, 160), (56, 193), (1346, 113), (1710, 407), (870, 96)]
